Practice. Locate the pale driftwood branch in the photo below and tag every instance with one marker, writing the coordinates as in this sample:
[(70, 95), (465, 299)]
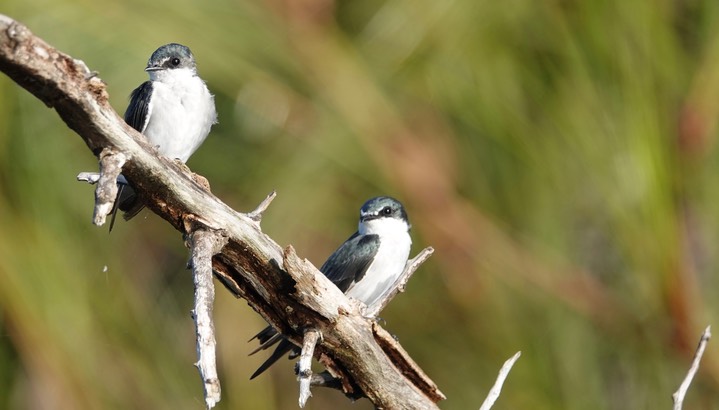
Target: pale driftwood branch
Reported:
[(256, 215), (205, 244), (497, 388), (93, 177), (304, 367), (399, 286), (251, 265), (89, 177), (111, 163), (678, 396)]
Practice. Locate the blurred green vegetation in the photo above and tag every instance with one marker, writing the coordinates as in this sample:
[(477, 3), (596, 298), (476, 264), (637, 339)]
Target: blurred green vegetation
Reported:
[(560, 156)]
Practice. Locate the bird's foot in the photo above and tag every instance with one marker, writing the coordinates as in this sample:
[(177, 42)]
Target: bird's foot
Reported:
[(199, 179), (202, 181)]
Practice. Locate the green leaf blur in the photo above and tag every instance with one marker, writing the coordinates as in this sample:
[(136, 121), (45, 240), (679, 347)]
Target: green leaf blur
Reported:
[(560, 156)]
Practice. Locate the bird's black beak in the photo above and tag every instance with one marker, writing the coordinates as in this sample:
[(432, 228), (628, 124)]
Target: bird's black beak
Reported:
[(369, 217), (153, 68)]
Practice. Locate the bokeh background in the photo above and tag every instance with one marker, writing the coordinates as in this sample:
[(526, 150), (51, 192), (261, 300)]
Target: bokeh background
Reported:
[(560, 156)]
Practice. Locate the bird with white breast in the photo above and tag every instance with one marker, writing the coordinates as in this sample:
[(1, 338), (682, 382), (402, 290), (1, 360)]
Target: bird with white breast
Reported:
[(174, 110), (364, 267)]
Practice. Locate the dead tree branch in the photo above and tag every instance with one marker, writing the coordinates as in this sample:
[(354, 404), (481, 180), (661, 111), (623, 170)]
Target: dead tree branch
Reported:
[(110, 167), (256, 215), (305, 364), (203, 245), (399, 286), (251, 265), (497, 388), (678, 396)]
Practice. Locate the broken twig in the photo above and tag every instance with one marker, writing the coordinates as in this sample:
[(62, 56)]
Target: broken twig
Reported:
[(497, 388), (678, 396), (204, 245), (111, 163), (256, 215), (305, 364), (399, 286)]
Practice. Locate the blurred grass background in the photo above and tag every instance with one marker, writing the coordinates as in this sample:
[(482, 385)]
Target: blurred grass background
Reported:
[(560, 156)]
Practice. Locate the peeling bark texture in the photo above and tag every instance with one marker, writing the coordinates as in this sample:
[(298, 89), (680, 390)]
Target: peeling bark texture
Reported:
[(291, 294), (106, 191), (305, 364), (203, 246)]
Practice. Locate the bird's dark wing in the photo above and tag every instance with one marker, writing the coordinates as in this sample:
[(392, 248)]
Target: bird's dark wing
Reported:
[(127, 201), (284, 347), (264, 335), (350, 262), (136, 117), (345, 266), (121, 193), (137, 111), (267, 338)]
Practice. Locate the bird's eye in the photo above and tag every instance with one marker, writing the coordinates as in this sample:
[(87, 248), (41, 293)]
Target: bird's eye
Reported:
[(386, 210), (175, 61)]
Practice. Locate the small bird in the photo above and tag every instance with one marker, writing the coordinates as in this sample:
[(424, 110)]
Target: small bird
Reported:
[(174, 110), (364, 267)]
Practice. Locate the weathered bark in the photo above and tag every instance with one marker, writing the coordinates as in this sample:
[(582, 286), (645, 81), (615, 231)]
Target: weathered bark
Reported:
[(203, 246), (288, 292)]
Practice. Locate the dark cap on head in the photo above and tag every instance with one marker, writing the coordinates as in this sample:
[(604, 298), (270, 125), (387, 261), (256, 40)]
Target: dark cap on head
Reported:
[(383, 207), (171, 56)]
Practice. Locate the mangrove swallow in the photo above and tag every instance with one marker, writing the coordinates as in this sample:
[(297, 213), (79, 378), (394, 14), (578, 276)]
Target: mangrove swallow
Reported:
[(364, 267), (174, 110)]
